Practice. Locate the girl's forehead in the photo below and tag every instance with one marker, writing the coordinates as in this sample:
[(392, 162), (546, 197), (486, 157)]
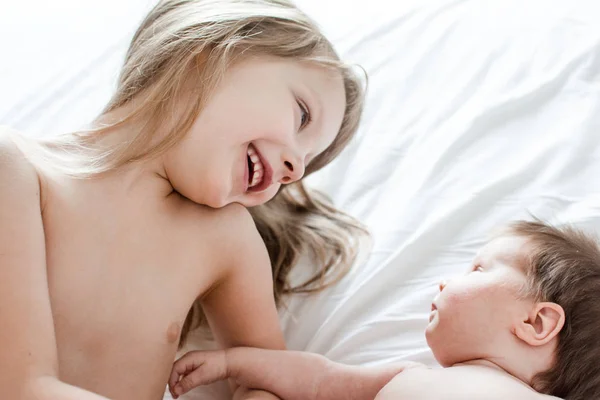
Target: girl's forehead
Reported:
[(320, 87), (325, 83)]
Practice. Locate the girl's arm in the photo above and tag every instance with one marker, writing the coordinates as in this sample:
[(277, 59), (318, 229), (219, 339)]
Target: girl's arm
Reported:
[(240, 307), (28, 353), (290, 375)]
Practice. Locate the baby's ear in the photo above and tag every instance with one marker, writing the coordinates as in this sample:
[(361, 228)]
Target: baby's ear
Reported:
[(543, 324)]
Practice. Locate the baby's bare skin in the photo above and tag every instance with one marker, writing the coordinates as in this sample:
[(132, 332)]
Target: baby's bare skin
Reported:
[(458, 382), (122, 272), (304, 376)]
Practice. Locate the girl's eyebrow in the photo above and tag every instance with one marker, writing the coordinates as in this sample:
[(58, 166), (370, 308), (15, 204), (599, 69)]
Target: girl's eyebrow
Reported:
[(317, 100)]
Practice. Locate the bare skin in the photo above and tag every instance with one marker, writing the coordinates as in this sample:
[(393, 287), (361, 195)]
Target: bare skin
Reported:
[(478, 379), (304, 376), (100, 273), (96, 259), (490, 338)]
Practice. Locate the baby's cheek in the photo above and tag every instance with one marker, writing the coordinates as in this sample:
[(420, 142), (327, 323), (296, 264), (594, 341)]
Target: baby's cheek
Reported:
[(460, 297), (462, 308)]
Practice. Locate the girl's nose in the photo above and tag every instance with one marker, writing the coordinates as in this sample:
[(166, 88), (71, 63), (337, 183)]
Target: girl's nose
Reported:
[(293, 169)]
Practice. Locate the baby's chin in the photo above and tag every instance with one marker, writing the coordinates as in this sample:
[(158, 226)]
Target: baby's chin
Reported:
[(444, 360), (445, 356), (430, 332)]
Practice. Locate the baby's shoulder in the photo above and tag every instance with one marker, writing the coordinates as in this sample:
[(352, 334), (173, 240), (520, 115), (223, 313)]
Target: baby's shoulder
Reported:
[(455, 383)]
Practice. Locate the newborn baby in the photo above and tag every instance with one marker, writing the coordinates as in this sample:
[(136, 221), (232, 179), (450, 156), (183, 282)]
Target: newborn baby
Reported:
[(522, 323)]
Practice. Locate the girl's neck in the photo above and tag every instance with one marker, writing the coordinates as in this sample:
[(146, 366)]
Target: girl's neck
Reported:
[(143, 179)]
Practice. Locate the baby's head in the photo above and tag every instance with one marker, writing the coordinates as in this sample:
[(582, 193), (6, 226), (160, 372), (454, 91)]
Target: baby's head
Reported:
[(531, 304)]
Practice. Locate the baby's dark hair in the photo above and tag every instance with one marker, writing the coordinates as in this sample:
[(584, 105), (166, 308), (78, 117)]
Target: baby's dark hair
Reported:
[(564, 268)]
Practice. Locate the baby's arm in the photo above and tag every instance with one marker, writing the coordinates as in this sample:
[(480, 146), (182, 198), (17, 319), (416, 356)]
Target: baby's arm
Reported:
[(290, 375)]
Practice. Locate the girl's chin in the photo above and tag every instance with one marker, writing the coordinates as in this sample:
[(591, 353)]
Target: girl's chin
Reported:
[(256, 199)]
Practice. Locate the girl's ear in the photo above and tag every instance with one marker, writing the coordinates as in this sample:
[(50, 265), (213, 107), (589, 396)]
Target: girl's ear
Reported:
[(543, 324)]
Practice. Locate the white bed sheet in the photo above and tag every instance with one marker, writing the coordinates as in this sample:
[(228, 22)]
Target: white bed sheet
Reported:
[(478, 112)]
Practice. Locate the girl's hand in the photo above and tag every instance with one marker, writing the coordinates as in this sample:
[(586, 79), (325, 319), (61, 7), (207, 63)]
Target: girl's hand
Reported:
[(197, 368)]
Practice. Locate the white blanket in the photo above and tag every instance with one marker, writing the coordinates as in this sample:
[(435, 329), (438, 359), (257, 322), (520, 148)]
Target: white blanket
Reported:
[(478, 112)]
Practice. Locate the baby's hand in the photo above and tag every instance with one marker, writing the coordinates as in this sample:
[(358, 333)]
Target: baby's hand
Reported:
[(197, 368)]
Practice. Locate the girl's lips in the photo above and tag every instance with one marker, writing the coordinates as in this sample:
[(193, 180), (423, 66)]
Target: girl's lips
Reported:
[(267, 178), (246, 174)]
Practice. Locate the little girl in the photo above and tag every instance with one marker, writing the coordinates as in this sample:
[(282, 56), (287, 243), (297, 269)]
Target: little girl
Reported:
[(111, 236)]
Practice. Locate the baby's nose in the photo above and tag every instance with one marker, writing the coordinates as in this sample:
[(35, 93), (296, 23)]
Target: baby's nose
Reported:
[(442, 285)]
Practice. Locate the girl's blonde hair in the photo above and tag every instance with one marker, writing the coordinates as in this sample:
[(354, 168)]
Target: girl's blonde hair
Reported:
[(183, 44)]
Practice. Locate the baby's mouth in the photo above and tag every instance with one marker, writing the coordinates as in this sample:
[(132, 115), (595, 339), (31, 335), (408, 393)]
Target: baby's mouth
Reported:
[(432, 313)]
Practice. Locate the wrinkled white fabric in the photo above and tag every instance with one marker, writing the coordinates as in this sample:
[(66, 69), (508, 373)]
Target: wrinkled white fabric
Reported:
[(478, 112)]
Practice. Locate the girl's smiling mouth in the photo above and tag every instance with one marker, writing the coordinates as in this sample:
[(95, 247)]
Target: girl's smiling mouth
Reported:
[(259, 170)]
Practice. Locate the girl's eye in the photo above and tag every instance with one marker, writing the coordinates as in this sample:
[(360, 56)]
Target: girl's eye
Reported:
[(304, 115), (477, 268)]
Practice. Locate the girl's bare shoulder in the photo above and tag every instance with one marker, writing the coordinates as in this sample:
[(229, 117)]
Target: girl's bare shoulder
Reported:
[(226, 237), (15, 166)]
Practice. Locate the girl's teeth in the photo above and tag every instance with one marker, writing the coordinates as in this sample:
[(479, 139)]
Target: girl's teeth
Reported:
[(255, 179), (257, 167)]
